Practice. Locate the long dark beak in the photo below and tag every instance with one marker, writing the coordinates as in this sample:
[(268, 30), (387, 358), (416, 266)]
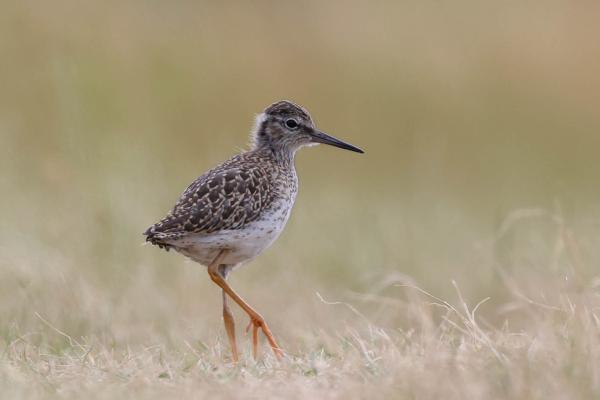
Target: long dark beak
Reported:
[(322, 137)]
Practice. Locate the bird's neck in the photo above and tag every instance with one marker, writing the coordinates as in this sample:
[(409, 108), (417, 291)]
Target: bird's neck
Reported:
[(281, 155)]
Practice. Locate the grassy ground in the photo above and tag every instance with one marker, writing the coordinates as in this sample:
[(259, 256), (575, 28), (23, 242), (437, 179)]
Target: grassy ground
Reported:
[(449, 351), (458, 258)]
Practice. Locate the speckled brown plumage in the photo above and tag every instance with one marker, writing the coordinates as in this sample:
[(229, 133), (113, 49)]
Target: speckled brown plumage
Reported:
[(226, 197)]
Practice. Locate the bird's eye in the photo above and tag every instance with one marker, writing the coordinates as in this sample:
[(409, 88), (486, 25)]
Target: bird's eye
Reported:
[(291, 123)]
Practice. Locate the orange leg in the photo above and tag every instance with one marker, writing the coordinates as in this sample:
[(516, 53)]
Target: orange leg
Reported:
[(254, 337), (230, 327), (255, 318)]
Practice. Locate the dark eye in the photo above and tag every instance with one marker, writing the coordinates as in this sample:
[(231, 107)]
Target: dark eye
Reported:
[(291, 123)]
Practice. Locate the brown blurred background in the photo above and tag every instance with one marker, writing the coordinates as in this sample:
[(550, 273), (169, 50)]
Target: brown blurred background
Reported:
[(480, 122)]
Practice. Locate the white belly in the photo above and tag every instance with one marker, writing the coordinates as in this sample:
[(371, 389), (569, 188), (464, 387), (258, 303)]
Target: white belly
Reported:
[(243, 245)]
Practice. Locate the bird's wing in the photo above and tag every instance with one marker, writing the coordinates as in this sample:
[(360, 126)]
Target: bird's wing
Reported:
[(226, 197)]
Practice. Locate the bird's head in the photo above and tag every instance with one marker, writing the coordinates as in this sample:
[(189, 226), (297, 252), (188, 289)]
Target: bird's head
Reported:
[(286, 127)]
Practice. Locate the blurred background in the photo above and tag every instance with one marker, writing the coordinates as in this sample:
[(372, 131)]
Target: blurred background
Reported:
[(480, 122)]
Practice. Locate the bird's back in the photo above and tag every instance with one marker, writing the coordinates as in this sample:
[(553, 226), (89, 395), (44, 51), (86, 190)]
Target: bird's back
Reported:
[(252, 191)]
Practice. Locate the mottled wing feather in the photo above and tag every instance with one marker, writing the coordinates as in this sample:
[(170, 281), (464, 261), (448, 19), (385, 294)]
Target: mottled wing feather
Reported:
[(227, 197)]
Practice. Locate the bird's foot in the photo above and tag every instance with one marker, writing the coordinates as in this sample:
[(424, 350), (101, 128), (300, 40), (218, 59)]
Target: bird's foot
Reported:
[(257, 322)]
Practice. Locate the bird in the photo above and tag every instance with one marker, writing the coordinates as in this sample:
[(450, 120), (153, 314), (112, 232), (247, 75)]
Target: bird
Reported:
[(234, 211)]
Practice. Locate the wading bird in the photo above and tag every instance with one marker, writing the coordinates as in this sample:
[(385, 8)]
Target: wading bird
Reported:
[(234, 211)]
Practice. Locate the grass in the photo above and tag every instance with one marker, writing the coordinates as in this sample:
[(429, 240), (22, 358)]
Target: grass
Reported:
[(450, 351), (458, 258)]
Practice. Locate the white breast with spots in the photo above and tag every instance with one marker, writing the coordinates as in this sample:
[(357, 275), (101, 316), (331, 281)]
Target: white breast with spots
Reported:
[(244, 244)]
